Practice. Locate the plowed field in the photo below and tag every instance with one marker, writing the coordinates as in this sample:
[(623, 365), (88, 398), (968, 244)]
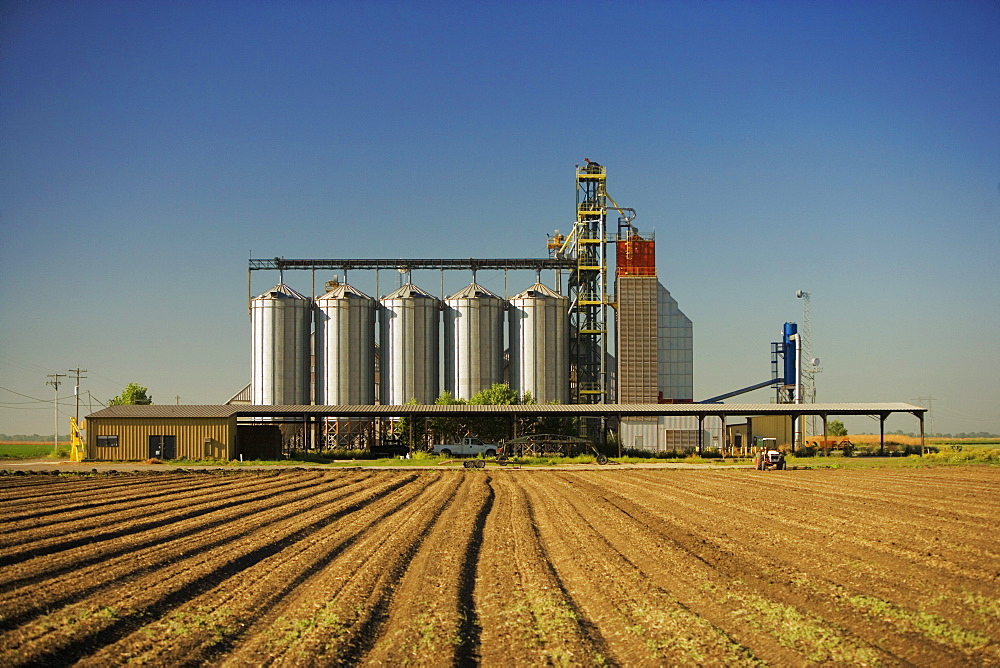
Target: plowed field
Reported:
[(502, 567)]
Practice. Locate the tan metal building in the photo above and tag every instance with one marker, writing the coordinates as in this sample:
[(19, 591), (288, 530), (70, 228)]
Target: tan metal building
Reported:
[(135, 433), (779, 427)]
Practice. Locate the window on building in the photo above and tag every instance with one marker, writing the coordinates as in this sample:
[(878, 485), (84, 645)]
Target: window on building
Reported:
[(107, 441)]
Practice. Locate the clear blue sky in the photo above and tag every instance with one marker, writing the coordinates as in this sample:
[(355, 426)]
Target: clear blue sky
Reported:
[(851, 149)]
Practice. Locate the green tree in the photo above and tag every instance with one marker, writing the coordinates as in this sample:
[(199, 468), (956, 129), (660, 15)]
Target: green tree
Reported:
[(134, 394), (494, 429), (500, 394), (412, 431), (836, 428), (448, 429)]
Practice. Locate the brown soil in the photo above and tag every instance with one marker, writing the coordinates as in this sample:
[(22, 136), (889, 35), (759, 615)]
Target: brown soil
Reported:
[(501, 567)]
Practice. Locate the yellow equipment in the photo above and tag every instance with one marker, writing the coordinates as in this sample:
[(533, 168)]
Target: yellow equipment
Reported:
[(78, 448)]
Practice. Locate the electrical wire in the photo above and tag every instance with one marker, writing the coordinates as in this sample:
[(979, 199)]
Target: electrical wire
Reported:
[(26, 396), (24, 364), (25, 405)]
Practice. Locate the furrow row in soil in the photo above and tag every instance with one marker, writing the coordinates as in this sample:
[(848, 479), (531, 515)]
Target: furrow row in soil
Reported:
[(532, 618), (779, 576), (951, 496), (73, 515), (49, 542), (337, 619), (432, 616), (147, 553), (76, 629), (801, 514), (643, 624), (227, 617), (685, 564)]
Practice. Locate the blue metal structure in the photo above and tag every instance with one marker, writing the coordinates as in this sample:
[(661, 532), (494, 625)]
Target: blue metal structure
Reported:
[(790, 329)]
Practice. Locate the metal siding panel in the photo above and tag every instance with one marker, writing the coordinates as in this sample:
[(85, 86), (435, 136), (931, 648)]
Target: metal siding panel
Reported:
[(345, 350), (640, 434), (638, 358), (280, 367), (772, 426), (133, 437), (409, 337), (473, 342), (539, 344)]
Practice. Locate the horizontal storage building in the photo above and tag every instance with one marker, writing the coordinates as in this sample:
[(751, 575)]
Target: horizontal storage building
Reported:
[(135, 433)]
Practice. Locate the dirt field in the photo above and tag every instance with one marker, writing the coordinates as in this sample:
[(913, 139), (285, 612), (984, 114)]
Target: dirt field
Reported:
[(500, 567)]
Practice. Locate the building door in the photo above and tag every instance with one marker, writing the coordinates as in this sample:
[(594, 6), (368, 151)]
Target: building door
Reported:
[(163, 447)]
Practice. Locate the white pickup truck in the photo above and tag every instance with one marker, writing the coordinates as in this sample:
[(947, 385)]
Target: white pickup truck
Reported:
[(467, 447)]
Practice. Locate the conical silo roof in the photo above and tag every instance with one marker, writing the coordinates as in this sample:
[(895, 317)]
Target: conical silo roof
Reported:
[(281, 291), (473, 291), (537, 290), (344, 291), (409, 291)]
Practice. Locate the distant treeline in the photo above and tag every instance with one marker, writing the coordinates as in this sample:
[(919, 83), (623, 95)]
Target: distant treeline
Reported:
[(30, 438)]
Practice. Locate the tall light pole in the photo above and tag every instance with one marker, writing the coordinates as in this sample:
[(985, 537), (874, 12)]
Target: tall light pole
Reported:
[(55, 405), (810, 365)]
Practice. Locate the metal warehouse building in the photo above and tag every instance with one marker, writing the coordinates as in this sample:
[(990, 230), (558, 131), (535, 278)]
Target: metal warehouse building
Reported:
[(135, 433)]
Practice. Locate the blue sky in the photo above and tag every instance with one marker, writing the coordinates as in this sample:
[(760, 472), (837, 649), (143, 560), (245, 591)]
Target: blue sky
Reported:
[(847, 149)]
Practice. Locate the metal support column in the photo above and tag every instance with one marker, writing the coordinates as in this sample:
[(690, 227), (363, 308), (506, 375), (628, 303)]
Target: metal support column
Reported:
[(881, 433), (920, 416), (724, 441), (701, 435)]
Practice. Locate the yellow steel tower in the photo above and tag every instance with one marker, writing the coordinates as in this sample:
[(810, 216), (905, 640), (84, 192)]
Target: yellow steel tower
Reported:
[(587, 285)]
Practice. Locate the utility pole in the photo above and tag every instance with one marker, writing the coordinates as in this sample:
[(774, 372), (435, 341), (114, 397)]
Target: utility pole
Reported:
[(76, 390), (930, 412), (55, 405)]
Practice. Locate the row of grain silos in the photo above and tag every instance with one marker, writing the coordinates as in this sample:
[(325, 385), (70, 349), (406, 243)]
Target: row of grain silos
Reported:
[(409, 321)]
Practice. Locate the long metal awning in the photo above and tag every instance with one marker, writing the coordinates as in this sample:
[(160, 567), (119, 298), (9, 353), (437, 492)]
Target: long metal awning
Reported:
[(585, 410)]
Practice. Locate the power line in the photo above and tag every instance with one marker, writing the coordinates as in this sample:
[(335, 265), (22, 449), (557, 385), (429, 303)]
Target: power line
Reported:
[(45, 401), (22, 363)]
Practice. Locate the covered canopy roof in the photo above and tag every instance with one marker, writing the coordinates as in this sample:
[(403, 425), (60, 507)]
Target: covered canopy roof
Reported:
[(584, 410)]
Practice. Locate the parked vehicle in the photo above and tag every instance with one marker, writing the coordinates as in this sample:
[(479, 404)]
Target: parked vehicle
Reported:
[(768, 455), (467, 447), (391, 447)]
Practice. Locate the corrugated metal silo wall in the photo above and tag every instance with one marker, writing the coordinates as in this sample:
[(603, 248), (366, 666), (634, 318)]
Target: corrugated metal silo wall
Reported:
[(345, 354), (473, 345), (280, 359), (409, 346), (539, 347), (190, 434), (638, 365)]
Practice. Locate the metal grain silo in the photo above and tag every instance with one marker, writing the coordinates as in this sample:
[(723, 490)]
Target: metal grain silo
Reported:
[(345, 347), (473, 341), (409, 338), (539, 344), (280, 330)]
